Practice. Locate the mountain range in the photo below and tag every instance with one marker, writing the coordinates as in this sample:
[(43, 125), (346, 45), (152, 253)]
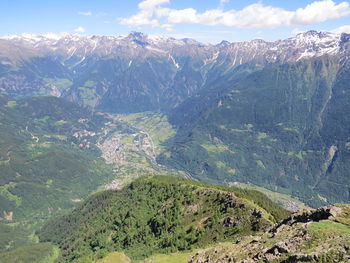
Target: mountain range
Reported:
[(298, 107), (138, 72), (266, 113), (81, 114)]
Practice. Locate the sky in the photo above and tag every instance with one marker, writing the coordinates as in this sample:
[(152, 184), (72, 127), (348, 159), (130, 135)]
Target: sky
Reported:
[(209, 21)]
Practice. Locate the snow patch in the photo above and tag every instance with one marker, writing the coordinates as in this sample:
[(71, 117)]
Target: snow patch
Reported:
[(213, 59), (155, 49), (174, 61)]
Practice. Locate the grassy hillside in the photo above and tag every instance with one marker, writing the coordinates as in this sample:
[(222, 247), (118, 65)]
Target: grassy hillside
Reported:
[(36, 253), (43, 170), (159, 214), (282, 128), (53, 154), (321, 236), (288, 202), (15, 235)]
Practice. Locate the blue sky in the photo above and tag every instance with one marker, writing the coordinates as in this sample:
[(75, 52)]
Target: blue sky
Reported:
[(205, 20)]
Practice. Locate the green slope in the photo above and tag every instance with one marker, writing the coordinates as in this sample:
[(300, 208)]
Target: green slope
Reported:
[(321, 236), (53, 154), (283, 128), (37, 253), (43, 171), (159, 214)]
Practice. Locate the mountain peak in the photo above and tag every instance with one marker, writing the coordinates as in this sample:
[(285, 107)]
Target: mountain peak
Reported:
[(313, 34), (135, 34), (190, 41), (223, 43)]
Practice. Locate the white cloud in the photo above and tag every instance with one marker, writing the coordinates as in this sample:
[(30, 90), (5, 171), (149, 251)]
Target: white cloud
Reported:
[(222, 3), (80, 29), (151, 4), (342, 29), (147, 9), (297, 31), (252, 16), (188, 15), (87, 13), (168, 27), (320, 11)]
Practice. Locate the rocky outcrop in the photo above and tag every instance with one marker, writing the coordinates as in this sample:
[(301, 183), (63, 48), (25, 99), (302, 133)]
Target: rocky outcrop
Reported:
[(289, 241), (317, 215)]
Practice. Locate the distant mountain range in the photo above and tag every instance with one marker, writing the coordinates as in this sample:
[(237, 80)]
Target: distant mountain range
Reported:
[(269, 114), (137, 72)]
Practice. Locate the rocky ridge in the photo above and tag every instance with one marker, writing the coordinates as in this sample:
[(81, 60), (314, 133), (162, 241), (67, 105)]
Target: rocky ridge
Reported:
[(303, 45), (320, 235)]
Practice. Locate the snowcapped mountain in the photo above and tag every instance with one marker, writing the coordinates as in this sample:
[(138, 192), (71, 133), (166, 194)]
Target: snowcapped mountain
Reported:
[(308, 44), (133, 45), (150, 71)]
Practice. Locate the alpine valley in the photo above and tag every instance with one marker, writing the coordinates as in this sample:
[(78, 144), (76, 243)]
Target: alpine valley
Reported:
[(141, 148)]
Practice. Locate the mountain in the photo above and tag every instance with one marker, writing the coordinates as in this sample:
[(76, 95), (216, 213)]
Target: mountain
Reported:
[(41, 170), (165, 219), (271, 114), (136, 73), (54, 153), (159, 214), (268, 113), (283, 127)]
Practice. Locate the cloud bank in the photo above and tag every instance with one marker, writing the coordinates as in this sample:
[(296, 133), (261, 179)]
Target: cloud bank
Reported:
[(258, 15), (342, 29)]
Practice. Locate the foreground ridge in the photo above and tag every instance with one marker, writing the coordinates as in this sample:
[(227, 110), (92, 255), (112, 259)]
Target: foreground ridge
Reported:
[(160, 215), (321, 235)]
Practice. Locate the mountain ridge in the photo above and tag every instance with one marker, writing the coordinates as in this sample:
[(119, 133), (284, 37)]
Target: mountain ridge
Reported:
[(206, 223), (159, 214), (153, 73), (287, 121)]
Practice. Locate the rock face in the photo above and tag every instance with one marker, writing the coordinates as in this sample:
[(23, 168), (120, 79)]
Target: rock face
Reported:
[(152, 73), (309, 236)]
